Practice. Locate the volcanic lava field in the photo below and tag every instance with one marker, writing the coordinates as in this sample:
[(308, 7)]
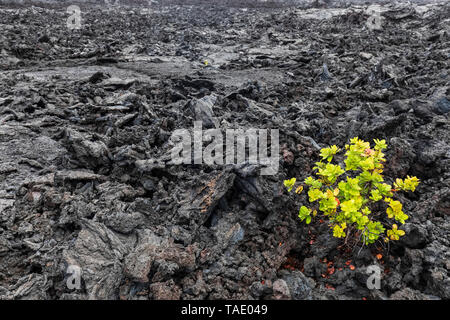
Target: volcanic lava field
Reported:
[(87, 115)]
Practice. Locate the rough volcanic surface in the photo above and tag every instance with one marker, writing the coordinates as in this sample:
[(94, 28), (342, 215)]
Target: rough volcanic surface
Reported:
[(86, 118)]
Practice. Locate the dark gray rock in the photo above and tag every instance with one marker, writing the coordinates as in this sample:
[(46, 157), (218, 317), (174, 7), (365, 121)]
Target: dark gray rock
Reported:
[(300, 287), (204, 111), (99, 254), (416, 237)]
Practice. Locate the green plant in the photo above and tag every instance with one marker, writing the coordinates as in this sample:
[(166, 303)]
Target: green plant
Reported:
[(352, 199)]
